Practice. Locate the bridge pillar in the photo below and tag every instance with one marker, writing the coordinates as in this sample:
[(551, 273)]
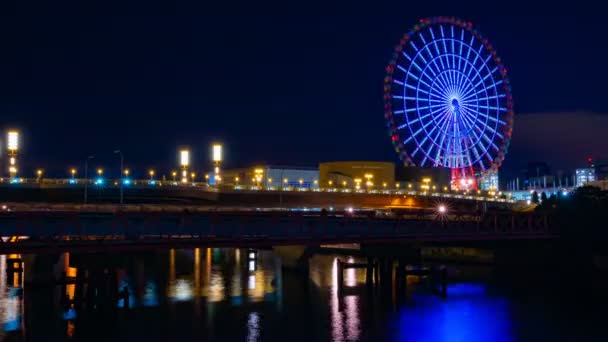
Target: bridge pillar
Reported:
[(39, 269), (294, 257)]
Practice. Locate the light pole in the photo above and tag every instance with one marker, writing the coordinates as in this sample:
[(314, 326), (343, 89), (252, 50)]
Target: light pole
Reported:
[(122, 160), (86, 177)]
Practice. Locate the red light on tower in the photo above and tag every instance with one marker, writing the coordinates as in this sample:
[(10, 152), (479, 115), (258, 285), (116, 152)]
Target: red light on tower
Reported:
[(590, 161)]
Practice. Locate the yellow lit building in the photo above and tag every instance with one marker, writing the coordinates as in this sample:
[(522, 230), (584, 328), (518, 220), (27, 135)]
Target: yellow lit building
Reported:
[(343, 174)]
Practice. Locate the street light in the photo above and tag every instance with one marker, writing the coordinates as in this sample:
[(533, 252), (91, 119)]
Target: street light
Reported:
[(126, 172), (193, 176), (39, 174), (330, 183), (217, 161), (151, 173), (184, 162), (301, 181), (73, 173), (86, 177), (12, 147), (173, 174)]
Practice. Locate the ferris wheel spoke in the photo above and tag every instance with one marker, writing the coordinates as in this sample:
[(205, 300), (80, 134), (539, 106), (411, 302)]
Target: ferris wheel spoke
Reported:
[(493, 97), (487, 116), (441, 146), (432, 58), (471, 126)]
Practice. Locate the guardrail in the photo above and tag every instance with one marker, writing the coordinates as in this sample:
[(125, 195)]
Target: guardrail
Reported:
[(42, 230), (203, 186)]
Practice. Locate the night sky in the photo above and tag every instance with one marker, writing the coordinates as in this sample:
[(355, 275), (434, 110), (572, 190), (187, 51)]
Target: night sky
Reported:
[(276, 84)]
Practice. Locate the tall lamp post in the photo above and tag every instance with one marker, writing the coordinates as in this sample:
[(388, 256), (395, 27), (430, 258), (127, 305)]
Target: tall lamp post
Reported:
[(122, 160), (86, 177)]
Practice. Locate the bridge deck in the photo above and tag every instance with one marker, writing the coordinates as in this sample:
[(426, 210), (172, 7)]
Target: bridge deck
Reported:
[(39, 230)]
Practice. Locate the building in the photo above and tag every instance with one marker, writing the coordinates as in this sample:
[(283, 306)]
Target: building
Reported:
[(272, 176), (601, 169), (349, 174), (414, 175), (489, 181), (584, 176)]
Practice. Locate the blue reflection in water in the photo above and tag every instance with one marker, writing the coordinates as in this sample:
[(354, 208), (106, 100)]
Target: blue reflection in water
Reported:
[(468, 314), (150, 294), (121, 302), (253, 327)]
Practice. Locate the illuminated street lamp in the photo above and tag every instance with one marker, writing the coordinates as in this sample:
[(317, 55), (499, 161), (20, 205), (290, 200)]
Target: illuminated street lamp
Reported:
[(330, 183), (127, 172), (301, 181), (39, 174), (368, 182), (12, 147), (384, 185), (357, 183), (269, 182), (151, 173), (99, 180), (397, 185), (193, 176), (236, 180), (73, 173), (86, 177), (217, 161), (174, 175), (122, 162), (258, 174), (315, 182), (184, 162), (344, 184)]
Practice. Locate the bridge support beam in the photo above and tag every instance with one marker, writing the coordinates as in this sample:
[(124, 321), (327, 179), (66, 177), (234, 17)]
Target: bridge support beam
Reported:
[(294, 257)]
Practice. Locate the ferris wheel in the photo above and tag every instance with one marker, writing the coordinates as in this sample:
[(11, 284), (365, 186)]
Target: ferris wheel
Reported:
[(448, 100)]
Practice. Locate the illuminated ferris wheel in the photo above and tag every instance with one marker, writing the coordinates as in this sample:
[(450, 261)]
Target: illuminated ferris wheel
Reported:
[(448, 101)]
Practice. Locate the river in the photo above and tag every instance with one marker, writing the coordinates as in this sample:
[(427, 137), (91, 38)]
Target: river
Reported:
[(244, 295)]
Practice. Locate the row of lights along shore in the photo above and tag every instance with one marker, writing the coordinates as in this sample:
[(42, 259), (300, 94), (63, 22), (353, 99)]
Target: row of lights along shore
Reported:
[(13, 145), (187, 176)]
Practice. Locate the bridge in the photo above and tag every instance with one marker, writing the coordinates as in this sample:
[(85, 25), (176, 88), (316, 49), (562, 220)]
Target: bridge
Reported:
[(92, 228), (143, 192)]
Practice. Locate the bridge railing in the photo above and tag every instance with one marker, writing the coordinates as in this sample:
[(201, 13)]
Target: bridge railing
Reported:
[(67, 228)]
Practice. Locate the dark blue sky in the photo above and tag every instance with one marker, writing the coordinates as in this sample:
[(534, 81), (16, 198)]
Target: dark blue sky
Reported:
[(276, 83)]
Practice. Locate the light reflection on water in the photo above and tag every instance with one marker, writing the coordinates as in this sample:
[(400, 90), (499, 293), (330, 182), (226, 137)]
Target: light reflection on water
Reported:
[(240, 294)]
